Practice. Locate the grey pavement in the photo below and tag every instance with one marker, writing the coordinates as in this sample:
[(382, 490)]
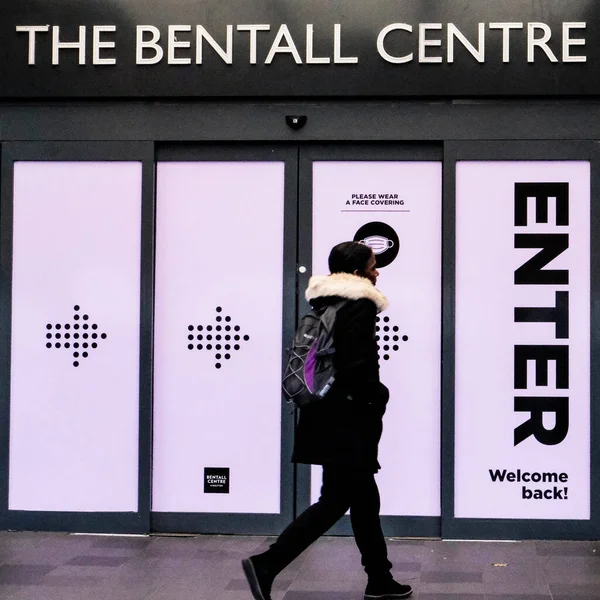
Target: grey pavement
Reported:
[(58, 566)]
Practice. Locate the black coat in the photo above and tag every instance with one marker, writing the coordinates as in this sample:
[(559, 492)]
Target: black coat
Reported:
[(345, 427)]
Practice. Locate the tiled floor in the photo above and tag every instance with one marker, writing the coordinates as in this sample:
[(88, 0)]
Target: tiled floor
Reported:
[(43, 566)]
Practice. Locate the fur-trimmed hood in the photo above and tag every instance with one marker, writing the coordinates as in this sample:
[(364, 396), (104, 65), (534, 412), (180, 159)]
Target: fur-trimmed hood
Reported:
[(345, 285)]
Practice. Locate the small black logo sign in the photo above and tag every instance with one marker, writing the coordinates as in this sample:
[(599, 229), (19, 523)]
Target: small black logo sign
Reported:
[(216, 480), (382, 239), (81, 336)]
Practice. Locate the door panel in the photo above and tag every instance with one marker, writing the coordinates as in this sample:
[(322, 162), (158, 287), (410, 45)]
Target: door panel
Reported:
[(76, 251), (486, 361)]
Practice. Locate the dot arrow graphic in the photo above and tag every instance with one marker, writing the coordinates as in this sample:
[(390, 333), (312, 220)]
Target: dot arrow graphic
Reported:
[(222, 337), (81, 336)]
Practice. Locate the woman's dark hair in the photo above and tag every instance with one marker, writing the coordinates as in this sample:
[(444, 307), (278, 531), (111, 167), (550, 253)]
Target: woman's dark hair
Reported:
[(348, 257)]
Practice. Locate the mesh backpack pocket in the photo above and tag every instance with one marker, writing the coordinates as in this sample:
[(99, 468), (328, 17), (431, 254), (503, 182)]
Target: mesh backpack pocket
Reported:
[(309, 373)]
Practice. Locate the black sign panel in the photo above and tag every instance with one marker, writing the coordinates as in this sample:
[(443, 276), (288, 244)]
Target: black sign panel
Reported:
[(216, 480), (407, 48)]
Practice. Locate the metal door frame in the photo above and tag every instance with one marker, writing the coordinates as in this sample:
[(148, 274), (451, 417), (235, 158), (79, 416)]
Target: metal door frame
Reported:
[(402, 526), (250, 523), (113, 522), (515, 529)]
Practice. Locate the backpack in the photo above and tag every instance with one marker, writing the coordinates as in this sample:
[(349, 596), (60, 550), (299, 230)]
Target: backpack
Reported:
[(309, 373)]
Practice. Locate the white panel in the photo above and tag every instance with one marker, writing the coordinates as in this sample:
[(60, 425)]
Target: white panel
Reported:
[(220, 245), (74, 429), (486, 336), (405, 196)]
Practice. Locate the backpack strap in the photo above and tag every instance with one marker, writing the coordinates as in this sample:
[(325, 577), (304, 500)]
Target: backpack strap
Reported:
[(328, 314), (327, 322)]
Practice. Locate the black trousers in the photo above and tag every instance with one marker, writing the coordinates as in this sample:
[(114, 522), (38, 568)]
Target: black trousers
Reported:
[(343, 488)]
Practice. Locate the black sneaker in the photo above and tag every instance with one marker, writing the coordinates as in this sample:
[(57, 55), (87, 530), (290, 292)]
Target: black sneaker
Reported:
[(259, 580), (388, 588)]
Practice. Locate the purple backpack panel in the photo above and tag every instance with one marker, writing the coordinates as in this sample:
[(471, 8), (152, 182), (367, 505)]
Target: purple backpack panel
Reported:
[(310, 364)]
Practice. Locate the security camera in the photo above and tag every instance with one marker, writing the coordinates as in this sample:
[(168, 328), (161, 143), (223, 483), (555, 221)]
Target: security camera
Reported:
[(296, 121)]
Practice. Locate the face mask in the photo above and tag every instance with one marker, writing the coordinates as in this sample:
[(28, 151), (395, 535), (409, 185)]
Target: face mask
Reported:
[(378, 243)]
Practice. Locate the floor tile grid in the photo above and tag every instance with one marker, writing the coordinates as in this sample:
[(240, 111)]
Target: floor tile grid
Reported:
[(88, 566), (52, 566)]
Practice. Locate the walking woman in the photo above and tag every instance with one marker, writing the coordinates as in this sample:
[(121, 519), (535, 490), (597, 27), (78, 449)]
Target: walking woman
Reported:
[(342, 433)]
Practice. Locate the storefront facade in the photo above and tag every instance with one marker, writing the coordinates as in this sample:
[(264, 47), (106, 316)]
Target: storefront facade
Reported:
[(173, 174)]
